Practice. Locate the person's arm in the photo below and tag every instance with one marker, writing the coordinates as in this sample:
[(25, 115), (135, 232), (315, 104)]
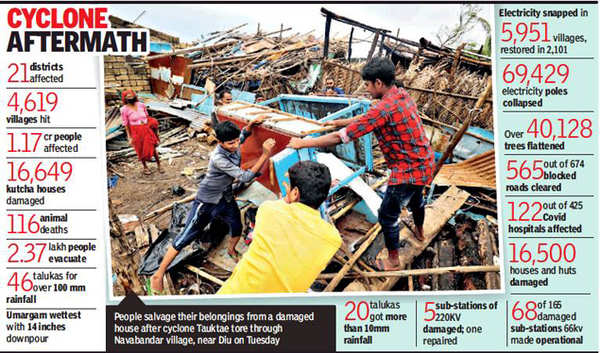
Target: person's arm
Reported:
[(247, 175), (247, 130), (244, 134), (343, 122), (330, 139), (128, 132), (359, 126), (125, 122)]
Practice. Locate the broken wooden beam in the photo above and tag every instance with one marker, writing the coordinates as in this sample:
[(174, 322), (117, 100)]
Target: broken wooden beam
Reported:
[(435, 122)]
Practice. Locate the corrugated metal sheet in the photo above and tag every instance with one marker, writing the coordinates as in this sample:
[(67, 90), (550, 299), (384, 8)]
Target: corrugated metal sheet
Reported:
[(478, 171)]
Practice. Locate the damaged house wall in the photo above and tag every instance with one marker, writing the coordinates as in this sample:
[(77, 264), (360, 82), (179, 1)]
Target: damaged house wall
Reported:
[(122, 72), (120, 75)]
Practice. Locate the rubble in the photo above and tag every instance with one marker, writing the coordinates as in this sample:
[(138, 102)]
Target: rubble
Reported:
[(460, 250)]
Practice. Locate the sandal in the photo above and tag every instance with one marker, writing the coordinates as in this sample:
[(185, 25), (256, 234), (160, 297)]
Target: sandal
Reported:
[(147, 172)]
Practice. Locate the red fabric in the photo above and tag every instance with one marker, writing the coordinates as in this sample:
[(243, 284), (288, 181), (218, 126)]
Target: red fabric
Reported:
[(145, 139), (125, 93), (399, 130)]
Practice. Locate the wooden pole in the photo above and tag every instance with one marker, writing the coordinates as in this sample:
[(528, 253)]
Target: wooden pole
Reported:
[(411, 285), (419, 272), (459, 134), (455, 62), (350, 44), (449, 94), (435, 122), (326, 40), (373, 46), (229, 60), (486, 252), (278, 31), (381, 44)]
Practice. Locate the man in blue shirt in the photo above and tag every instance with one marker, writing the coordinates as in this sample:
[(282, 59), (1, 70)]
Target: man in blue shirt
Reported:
[(331, 89), (215, 195)]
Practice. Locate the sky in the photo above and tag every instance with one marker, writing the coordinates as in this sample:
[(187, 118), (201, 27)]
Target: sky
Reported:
[(193, 21)]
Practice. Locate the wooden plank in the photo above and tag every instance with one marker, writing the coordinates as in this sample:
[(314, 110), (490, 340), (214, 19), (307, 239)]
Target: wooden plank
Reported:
[(142, 238), (205, 275), (168, 284), (436, 216)]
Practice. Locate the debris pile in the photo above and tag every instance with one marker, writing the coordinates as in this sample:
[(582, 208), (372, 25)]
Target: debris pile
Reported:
[(445, 97), (460, 250)]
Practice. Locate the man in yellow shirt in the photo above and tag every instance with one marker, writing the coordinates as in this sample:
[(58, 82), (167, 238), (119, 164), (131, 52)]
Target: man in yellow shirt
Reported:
[(292, 244)]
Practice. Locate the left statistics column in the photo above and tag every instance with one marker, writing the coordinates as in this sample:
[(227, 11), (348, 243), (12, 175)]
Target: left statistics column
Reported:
[(52, 218)]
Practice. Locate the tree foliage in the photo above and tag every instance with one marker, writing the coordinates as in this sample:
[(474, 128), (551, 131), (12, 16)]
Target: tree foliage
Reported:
[(468, 19)]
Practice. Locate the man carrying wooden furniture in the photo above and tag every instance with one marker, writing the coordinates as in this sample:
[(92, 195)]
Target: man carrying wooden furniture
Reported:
[(406, 149)]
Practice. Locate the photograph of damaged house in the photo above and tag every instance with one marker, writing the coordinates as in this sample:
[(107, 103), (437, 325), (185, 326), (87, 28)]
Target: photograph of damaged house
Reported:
[(356, 155)]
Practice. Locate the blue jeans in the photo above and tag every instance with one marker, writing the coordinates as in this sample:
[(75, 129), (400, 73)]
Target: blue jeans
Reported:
[(396, 197), (200, 216)]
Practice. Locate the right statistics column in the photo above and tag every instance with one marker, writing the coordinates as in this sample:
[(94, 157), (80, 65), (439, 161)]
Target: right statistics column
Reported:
[(547, 108)]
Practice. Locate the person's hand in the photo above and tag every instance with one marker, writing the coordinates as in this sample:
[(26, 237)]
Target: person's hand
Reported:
[(259, 120), (335, 123), (130, 140), (268, 146), (295, 143)]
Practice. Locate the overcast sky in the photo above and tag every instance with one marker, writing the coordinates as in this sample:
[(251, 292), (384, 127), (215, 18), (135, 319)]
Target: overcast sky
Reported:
[(190, 22)]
